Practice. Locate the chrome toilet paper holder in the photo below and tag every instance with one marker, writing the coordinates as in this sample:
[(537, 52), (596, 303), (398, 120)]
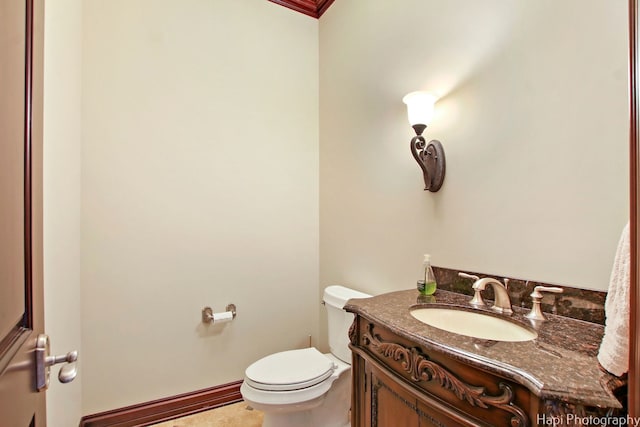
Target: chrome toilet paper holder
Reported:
[(208, 314)]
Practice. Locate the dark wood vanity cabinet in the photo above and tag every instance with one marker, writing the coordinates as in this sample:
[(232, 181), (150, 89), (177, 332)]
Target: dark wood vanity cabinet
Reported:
[(399, 383), (389, 402)]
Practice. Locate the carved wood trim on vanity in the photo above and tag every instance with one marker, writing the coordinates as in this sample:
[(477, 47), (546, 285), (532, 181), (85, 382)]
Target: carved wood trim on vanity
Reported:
[(166, 409), (421, 368)]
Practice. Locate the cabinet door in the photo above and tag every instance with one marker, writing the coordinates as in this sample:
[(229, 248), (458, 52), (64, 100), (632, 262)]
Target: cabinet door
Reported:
[(432, 413), (393, 403), (390, 405)]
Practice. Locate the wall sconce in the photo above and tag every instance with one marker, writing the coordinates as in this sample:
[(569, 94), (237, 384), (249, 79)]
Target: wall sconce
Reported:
[(430, 157)]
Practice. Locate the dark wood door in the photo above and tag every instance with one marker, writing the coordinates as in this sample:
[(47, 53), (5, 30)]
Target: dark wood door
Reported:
[(21, 296)]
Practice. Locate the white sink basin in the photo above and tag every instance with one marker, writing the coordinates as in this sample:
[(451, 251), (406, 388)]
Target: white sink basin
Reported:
[(473, 324)]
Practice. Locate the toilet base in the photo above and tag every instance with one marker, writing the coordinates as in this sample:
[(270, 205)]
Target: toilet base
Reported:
[(329, 410)]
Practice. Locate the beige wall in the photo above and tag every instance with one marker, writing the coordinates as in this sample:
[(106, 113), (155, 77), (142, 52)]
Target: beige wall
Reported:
[(200, 169), (62, 139), (533, 117), (200, 187)]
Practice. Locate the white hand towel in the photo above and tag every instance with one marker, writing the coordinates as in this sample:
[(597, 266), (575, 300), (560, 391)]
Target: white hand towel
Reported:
[(614, 349)]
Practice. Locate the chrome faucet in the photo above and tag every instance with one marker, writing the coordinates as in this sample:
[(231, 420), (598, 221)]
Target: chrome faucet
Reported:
[(502, 303)]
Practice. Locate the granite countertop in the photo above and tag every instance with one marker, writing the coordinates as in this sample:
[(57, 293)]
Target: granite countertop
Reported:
[(560, 364)]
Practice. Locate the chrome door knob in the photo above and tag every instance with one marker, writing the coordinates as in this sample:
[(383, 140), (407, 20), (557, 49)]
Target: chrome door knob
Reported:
[(67, 373), (44, 362)]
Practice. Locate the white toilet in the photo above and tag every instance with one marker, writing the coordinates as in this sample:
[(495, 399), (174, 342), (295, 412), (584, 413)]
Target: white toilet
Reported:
[(305, 387)]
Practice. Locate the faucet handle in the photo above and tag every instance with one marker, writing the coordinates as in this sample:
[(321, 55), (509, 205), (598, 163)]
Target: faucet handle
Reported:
[(536, 291), (536, 298), (477, 300), (468, 276)]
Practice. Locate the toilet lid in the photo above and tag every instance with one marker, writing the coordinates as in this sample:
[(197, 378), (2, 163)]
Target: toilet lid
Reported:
[(289, 370)]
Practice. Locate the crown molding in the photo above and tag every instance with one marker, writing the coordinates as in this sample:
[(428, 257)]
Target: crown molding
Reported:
[(313, 8)]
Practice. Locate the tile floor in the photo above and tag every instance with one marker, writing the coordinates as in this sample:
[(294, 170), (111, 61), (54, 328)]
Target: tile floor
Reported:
[(234, 415)]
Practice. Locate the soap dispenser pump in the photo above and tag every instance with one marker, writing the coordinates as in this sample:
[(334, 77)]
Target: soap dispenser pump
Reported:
[(427, 285)]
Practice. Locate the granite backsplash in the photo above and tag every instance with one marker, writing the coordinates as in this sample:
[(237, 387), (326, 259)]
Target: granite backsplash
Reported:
[(576, 303)]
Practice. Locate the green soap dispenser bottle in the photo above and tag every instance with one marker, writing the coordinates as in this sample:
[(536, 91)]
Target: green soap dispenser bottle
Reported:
[(427, 286)]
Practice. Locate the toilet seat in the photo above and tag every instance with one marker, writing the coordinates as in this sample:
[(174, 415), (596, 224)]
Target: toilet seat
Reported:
[(289, 370)]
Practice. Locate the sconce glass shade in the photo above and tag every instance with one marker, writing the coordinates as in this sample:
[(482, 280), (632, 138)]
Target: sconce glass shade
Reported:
[(430, 156), (420, 106)]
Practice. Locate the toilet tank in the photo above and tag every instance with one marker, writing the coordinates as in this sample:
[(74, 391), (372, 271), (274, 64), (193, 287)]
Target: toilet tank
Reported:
[(339, 321)]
